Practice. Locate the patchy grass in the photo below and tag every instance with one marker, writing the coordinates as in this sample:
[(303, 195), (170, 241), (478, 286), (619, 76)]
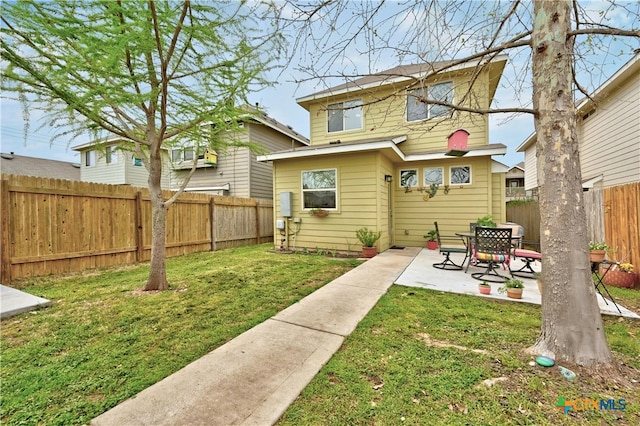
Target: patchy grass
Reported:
[(418, 359), (103, 340)]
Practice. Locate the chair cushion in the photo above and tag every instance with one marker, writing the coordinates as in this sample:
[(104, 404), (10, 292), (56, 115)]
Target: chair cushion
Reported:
[(492, 257), (527, 253)]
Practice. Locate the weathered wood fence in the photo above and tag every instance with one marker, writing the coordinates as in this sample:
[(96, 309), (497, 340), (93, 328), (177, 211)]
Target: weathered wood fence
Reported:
[(613, 216), (51, 226)]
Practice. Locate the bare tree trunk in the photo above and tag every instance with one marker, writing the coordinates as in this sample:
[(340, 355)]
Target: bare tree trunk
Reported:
[(158, 274), (572, 328)]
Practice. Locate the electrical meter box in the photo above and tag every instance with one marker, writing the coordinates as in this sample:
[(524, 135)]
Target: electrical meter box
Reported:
[(280, 224), (285, 204)]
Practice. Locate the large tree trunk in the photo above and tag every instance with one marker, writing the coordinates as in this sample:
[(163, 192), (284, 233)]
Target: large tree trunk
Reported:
[(158, 274), (572, 328)]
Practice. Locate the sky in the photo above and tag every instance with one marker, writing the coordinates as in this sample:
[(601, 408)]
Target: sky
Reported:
[(279, 102)]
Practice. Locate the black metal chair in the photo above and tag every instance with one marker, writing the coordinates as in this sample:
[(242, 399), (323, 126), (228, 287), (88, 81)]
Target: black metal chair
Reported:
[(493, 246), (446, 250)]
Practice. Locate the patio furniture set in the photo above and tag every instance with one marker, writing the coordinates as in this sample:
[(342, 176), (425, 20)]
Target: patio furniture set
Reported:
[(493, 248)]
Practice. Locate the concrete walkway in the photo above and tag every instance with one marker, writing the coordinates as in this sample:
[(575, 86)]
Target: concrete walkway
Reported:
[(14, 302), (252, 379)]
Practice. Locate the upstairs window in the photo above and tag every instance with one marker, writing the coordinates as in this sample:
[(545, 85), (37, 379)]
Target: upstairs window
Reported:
[(319, 189), (111, 155), (418, 110), (344, 116), (90, 158), (185, 154)]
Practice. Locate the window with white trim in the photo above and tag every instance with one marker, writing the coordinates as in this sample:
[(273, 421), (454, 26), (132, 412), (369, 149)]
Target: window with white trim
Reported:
[(433, 175), (419, 110), (460, 175), (319, 189), (409, 177), (90, 158), (344, 116), (111, 155)]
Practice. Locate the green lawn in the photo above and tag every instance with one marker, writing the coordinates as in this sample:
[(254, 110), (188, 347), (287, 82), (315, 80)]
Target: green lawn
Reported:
[(103, 340), (399, 367)]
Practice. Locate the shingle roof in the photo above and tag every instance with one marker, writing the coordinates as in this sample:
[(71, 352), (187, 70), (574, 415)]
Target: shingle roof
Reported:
[(13, 164)]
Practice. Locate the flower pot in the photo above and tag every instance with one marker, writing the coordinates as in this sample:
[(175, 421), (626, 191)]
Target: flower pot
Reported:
[(596, 256), (321, 213), (369, 252), (432, 245), (618, 278), (484, 289), (514, 293)]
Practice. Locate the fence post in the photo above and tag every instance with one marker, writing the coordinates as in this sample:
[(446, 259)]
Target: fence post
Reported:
[(257, 222), (139, 230), (5, 241), (212, 212)]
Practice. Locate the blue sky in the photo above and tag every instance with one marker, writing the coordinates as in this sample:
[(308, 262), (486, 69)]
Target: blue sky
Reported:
[(279, 101)]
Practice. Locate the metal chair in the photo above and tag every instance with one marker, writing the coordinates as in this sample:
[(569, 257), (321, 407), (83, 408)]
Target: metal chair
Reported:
[(446, 250), (493, 246)]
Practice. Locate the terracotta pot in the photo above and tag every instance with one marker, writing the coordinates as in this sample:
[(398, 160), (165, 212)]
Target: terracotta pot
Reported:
[(432, 245), (596, 256), (321, 213), (484, 289), (618, 278), (369, 252), (514, 293)]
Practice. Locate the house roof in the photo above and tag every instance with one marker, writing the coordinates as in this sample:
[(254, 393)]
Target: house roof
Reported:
[(408, 74), (253, 114), (13, 164), (387, 144), (628, 70)]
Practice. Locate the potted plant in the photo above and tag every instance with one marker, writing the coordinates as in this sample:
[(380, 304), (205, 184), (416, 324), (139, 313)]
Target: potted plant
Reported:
[(484, 288), (432, 244), (318, 212), (513, 288), (486, 221), (621, 276), (597, 251), (368, 238)]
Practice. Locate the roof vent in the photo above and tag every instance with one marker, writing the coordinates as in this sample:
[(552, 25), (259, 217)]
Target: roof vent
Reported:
[(334, 142), (7, 156)]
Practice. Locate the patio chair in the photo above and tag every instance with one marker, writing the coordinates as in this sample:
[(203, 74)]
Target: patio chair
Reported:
[(492, 246), (528, 257), (446, 249)]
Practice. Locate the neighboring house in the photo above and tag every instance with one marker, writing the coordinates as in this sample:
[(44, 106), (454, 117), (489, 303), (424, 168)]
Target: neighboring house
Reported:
[(514, 182), (608, 129), (235, 172), (13, 164), (375, 151)]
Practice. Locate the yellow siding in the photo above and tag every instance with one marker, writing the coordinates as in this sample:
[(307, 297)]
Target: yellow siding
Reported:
[(384, 114), (454, 211), (499, 210), (359, 177)]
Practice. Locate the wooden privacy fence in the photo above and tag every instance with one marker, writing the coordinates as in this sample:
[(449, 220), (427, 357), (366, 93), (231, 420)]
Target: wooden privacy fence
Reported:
[(613, 216), (52, 226), (527, 215), (622, 222)]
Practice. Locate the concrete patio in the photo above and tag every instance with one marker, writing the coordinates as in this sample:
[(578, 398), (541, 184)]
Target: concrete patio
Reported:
[(421, 273)]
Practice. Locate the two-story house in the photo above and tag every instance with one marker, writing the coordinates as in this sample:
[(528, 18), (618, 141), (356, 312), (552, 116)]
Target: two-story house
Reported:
[(377, 152), (234, 172)]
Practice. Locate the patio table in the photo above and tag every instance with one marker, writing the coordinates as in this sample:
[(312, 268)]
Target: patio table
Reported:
[(598, 279)]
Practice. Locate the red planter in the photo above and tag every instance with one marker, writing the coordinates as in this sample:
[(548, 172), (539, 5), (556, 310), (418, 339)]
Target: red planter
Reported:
[(369, 252), (618, 278), (432, 245), (484, 289)]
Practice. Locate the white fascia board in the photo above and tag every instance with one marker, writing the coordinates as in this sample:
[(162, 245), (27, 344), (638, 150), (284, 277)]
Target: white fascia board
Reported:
[(498, 167), (333, 149), (109, 139), (527, 143), (471, 153), (385, 81)]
